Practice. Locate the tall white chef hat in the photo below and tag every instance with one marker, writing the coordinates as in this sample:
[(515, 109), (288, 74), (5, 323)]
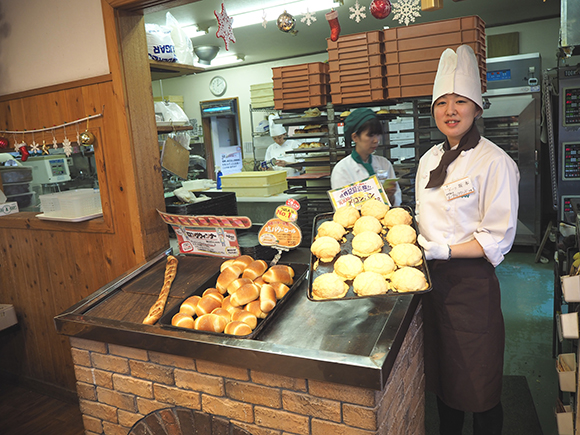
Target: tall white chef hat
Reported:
[(458, 73), (275, 129)]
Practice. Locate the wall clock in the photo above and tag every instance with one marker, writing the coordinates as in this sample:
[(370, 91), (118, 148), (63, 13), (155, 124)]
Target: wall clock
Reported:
[(217, 86)]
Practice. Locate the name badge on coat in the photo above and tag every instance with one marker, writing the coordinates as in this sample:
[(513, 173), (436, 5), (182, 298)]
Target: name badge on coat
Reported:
[(458, 188)]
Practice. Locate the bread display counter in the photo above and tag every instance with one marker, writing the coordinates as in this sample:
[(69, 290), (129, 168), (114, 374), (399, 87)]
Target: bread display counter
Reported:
[(372, 344)]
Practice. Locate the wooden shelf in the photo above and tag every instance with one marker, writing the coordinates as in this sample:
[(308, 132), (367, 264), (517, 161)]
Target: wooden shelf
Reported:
[(167, 70), (170, 128)]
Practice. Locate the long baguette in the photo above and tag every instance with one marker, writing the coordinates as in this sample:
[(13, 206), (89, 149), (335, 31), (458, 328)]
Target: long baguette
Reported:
[(157, 308)]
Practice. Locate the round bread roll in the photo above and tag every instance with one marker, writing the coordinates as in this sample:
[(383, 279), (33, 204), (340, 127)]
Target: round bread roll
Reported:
[(346, 216), (188, 305), (370, 284), (267, 298), (325, 248), (213, 293), (237, 328), (224, 313), (243, 261), (397, 216), (283, 267), (226, 304), (259, 281), (207, 304), (367, 243), (225, 278), (330, 229), (367, 223), (280, 288), (236, 284), (348, 266), (211, 290), (401, 233), (254, 308), (255, 269), (247, 317), (406, 254), (375, 208), (226, 264), (329, 286), (278, 275), (408, 279), (182, 320), (245, 294), (210, 323), (380, 263)]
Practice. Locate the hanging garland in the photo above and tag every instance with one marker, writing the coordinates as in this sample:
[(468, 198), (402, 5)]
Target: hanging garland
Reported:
[(86, 138)]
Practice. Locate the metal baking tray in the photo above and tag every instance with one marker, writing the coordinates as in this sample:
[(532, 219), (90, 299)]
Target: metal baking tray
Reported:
[(300, 271), (346, 248)]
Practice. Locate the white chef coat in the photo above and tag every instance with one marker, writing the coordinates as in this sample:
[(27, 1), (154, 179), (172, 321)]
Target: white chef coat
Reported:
[(278, 152), (489, 214), (347, 171)]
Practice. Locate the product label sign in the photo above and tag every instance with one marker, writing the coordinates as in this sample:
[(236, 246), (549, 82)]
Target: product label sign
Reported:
[(279, 233), (287, 214), (356, 194)]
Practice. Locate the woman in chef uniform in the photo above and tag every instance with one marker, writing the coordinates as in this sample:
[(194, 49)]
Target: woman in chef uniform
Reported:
[(364, 129), (278, 149), (466, 208)]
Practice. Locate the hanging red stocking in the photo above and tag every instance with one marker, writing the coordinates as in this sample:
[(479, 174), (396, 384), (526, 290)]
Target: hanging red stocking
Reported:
[(332, 18)]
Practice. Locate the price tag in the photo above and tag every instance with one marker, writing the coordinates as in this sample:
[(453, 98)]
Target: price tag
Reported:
[(215, 242), (280, 234), (356, 194)]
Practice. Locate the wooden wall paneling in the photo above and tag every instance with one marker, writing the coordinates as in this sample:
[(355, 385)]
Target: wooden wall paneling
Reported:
[(142, 130), (5, 116), (16, 117)]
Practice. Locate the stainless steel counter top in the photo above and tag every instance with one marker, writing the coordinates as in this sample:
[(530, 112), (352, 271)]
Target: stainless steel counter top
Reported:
[(353, 342)]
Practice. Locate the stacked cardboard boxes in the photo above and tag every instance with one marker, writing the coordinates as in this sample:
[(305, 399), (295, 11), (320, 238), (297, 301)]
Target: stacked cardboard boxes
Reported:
[(262, 95), (357, 68), (301, 86), (413, 52), (255, 183)]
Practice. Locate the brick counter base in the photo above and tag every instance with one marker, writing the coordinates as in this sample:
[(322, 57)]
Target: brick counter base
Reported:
[(117, 386)]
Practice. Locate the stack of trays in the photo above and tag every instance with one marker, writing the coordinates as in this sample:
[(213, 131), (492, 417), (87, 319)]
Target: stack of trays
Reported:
[(255, 183), (301, 86), (262, 95), (413, 52), (357, 68), (16, 185)]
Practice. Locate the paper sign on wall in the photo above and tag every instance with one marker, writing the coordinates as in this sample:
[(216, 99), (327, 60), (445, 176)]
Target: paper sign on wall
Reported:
[(356, 194), (231, 160)]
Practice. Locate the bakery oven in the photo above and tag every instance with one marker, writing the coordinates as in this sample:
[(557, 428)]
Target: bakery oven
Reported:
[(512, 121)]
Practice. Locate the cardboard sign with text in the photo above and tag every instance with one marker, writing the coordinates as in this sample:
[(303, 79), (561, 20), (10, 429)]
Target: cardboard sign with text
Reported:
[(356, 194)]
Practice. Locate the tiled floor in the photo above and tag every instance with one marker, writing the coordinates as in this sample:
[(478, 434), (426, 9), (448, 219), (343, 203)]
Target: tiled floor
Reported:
[(527, 303)]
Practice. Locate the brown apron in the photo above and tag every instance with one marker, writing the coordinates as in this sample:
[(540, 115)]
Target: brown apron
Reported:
[(464, 334)]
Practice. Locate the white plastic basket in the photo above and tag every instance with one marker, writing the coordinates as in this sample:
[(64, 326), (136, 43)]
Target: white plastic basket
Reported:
[(71, 203)]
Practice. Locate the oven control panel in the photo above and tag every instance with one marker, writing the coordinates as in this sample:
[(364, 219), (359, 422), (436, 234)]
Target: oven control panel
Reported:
[(571, 115), (571, 160)]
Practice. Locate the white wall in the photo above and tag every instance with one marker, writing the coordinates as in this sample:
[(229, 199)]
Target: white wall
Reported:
[(537, 36), (48, 42)]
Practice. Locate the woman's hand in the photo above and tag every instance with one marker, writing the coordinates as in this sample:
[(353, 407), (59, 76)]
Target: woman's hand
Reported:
[(281, 163)]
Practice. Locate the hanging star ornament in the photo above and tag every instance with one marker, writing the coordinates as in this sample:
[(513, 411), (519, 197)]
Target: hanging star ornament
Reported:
[(406, 11), (357, 12), (308, 17), (225, 30)]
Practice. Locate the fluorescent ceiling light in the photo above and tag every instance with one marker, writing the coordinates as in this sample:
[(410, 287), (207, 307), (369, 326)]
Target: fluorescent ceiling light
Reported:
[(193, 31), (223, 60), (272, 13)]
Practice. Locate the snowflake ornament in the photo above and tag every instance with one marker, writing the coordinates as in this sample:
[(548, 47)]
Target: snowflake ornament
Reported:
[(67, 147), (54, 143), (18, 145), (225, 30), (406, 11), (357, 12), (34, 147), (308, 17), (264, 19)]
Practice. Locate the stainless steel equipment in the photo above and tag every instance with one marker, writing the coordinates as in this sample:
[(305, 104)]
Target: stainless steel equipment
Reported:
[(568, 145), (513, 123)]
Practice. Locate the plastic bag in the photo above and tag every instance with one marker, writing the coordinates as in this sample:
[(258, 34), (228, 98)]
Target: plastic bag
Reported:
[(160, 46), (171, 112), (183, 45)]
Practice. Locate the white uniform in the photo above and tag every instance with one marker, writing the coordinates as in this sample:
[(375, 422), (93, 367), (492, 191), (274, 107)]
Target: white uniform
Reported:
[(278, 152), (489, 214), (347, 171)]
